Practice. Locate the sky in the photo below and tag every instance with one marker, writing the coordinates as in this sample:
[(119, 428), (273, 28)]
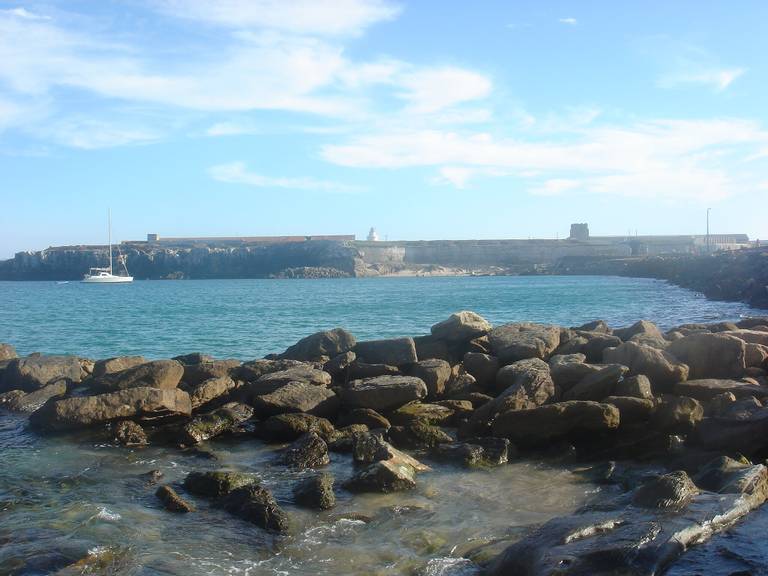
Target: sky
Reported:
[(426, 119)]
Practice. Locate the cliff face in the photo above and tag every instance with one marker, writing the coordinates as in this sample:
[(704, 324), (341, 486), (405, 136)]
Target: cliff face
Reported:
[(154, 262)]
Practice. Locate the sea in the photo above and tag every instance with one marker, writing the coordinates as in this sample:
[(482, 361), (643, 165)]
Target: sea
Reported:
[(80, 499)]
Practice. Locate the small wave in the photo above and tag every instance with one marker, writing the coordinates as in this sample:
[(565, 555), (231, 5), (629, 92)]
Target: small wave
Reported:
[(450, 567), (106, 515)]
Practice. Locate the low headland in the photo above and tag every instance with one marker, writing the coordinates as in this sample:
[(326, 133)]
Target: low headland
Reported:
[(675, 420)]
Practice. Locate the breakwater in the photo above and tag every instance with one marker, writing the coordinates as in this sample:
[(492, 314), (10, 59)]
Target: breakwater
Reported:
[(670, 424)]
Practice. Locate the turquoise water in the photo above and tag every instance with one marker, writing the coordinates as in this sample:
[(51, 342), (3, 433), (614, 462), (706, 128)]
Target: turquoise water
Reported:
[(249, 318)]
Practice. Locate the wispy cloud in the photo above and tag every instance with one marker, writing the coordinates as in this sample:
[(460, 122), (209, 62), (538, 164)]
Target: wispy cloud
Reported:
[(24, 13), (717, 78), (570, 21), (238, 173)]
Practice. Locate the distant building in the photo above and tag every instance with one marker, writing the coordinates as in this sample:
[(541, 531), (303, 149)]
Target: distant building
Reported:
[(579, 231), (153, 237), (372, 235)]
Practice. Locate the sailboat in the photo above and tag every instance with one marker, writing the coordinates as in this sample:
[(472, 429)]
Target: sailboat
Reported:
[(104, 275)]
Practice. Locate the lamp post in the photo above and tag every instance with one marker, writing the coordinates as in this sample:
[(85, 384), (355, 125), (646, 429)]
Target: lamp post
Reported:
[(709, 248)]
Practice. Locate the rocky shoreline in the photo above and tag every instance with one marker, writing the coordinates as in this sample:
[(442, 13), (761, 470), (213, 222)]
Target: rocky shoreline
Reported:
[(676, 420)]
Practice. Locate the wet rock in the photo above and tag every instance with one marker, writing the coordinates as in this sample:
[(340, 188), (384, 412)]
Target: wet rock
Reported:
[(130, 433), (366, 416), (735, 434), (29, 402), (483, 367), (255, 504), (661, 368), (383, 393), (207, 391), (383, 476), (706, 389), (164, 374), (82, 411), (544, 423), (328, 343), (10, 398), (308, 451), (518, 341), (419, 412), (637, 386), (640, 327), (222, 420), (117, 364), (343, 439), (718, 405), (461, 326), (152, 477), (215, 484), (172, 501), (673, 490), (33, 372), (435, 374), (196, 374), (475, 452), (632, 411), (529, 380), (417, 435), (288, 427), (597, 385), (369, 448), (394, 352), (298, 397), (677, 414), (569, 369), (710, 355), (315, 492)]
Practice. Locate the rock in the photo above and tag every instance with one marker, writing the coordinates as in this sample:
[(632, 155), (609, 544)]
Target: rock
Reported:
[(461, 326), (307, 451), (130, 433), (368, 448), (383, 476), (33, 372), (315, 492), (117, 364), (460, 386), (163, 374), (222, 420), (29, 402), (707, 388), (568, 369), (255, 369), (394, 352), (461, 408), (595, 326), (255, 504), (528, 380), (370, 418), (475, 452), (209, 390), (430, 348), (749, 336), (632, 410), (196, 374), (673, 490), (482, 366), (518, 341), (82, 411), (417, 435), (193, 358), (172, 501), (661, 368), (215, 484), (339, 364), (677, 414), (435, 374), (298, 397), (641, 327), (418, 412), (638, 386), (361, 370), (343, 439), (734, 434), (275, 380), (544, 423), (755, 355), (591, 344), (288, 427), (598, 385), (7, 352), (329, 343), (710, 355), (718, 405), (383, 393), (11, 398)]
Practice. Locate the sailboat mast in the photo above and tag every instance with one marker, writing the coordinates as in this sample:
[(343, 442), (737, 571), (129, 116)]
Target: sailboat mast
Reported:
[(109, 225)]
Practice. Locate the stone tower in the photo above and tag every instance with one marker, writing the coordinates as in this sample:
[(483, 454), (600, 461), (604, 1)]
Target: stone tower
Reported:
[(579, 231), (372, 235)]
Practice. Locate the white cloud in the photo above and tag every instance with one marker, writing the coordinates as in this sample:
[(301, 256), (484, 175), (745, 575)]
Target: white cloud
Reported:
[(432, 90), (24, 13), (555, 187), (313, 17), (238, 173), (570, 21), (717, 78), (89, 134)]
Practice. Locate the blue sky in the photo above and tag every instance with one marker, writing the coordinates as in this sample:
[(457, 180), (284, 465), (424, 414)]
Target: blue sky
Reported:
[(425, 119)]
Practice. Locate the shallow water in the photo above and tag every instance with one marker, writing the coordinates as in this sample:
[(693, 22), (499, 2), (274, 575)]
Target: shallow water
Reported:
[(249, 318)]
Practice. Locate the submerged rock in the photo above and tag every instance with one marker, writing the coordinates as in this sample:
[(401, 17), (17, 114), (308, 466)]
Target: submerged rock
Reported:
[(315, 492), (308, 451), (673, 490), (172, 501), (206, 426), (288, 427), (383, 476), (215, 484), (256, 505), (475, 452), (129, 433)]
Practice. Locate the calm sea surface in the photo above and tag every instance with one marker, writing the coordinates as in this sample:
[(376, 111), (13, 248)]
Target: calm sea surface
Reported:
[(79, 497), (249, 318)]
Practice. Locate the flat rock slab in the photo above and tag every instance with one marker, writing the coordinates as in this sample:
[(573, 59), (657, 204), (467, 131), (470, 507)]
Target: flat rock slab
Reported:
[(394, 352), (707, 388), (164, 374), (298, 397), (383, 393), (521, 340)]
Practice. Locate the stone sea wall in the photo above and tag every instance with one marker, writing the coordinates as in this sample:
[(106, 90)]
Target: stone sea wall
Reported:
[(675, 422)]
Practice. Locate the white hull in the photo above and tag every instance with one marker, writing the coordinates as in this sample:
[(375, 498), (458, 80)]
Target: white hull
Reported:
[(107, 279)]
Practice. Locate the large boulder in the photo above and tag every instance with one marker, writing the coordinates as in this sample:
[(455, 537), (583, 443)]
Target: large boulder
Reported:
[(735, 434), (597, 385), (529, 380), (383, 476), (640, 327), (569, 369), (383, 393), (82, 411), (394, 351), (328, 343), (632, 410), (419, 412), (195, 374), (208, 391), (298, 397), (165, 374), (706, 389), (315, 492), (750, 336), (20, 401), (673, 490), (255, 504), (254, 369), (288, 427), (275, 380), (206, 426), (461, 326), (540, 425), (591, 344), (710, 355), (756, 356), (435, 373), (677, 414), (7, 352), (521, 340), (482, 366), (637, 386), (215, 484), (117, 364), (307, 451), (662, 368), (34, 372)]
